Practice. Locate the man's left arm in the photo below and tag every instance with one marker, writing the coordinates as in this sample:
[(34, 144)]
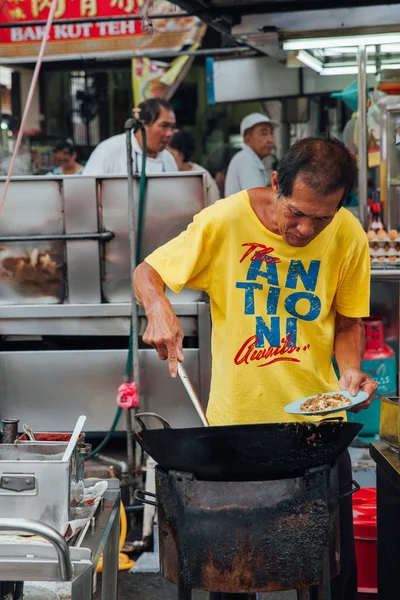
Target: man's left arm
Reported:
[(349, 350)]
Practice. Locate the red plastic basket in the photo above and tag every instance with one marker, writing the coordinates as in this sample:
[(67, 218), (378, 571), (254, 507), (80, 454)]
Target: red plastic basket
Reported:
[(365, 534)]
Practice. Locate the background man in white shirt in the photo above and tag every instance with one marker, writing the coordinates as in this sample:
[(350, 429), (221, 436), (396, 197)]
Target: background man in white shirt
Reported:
[(246, 169), (109, 158)]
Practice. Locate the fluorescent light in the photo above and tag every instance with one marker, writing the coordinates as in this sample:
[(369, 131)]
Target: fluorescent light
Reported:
[(310, 61), (351, 70), (384, 49), (343, 41), (394, 66), (342, 50), (339, 71)]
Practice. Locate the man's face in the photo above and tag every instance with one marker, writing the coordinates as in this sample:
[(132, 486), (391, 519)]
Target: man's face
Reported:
[(303, 215), (260, 139), (64, 158), (160, 132)]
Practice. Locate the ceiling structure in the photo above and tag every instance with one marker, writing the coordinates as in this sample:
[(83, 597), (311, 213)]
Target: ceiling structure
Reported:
[(266, 23), (269, 27)]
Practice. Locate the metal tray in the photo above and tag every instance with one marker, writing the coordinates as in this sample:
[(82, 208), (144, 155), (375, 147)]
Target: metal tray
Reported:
[(36, 481)]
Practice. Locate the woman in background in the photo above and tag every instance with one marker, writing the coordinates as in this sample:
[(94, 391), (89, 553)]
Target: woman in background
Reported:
[(65, 155), (182, 147)]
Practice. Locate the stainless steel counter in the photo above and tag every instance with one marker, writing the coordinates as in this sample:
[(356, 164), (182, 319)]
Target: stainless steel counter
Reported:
[(69, 571)]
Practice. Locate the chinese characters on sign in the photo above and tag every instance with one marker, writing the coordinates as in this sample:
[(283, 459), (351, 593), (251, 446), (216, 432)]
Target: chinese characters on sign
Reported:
[(88, 8), (18, 10), (38, 6), (125, 5), (106, 37)]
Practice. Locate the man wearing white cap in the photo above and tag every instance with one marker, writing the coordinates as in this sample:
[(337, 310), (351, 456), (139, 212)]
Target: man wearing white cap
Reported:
[(246, 169)]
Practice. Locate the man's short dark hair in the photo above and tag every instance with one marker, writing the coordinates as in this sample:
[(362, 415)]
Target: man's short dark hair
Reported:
[(150, 109), (324, 164), (183, 142)]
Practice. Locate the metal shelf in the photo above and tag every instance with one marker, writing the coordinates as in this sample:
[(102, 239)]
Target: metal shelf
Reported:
[(82, 311), (389, 273)]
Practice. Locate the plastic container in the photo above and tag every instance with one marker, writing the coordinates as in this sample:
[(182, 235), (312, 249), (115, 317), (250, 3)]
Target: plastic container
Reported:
[(379, 362), (365, 535), (349, 96)]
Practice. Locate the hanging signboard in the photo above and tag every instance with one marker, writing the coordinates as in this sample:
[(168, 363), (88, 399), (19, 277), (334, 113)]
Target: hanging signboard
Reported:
[(154, 79), (89, 39), (266, 79)]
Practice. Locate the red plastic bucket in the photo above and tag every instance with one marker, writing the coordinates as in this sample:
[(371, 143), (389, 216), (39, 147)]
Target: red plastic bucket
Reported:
[(365, 534)]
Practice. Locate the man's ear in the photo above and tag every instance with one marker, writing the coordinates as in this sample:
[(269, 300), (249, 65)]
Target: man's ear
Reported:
[(274, 181)]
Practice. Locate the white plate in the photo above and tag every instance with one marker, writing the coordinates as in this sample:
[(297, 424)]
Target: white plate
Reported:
[(294, 407)]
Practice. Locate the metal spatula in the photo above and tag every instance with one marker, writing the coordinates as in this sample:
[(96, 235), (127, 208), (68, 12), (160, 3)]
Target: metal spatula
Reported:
[(74, 437), (192, 394)]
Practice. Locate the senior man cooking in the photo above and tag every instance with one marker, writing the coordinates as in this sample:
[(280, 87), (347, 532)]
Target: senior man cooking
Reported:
[(287, 272)]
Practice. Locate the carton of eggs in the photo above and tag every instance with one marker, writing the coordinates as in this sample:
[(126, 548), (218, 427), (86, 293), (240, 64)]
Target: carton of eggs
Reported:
[(384, 247), (383, 236)]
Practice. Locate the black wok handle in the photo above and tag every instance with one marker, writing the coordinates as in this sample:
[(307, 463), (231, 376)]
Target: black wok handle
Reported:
[(351, 492), (139, 419), (141, 496)]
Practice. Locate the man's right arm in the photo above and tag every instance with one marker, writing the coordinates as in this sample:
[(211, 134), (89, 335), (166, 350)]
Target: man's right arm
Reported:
[(163, 330), (183, 261)]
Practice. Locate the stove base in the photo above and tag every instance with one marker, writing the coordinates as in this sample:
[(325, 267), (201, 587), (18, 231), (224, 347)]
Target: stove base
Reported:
[(249, 537)]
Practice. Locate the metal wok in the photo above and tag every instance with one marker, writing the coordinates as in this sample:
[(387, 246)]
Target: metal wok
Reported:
[(246, 452)]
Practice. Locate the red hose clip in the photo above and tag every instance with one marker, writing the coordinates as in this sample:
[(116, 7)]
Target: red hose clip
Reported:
[(128, 396)]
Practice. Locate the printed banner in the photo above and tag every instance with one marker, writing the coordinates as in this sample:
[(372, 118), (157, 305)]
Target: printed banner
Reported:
[(116, 38), (154, 79)]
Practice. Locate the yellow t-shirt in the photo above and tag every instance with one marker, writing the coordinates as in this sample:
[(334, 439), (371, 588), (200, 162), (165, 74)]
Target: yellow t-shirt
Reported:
[(272, 305)]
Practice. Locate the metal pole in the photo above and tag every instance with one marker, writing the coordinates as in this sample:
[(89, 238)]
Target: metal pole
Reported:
[(183, 592), (109, 586), (203, 52), (305, 594), (132, 239), (362, 135), (134, 374), (324, 590)]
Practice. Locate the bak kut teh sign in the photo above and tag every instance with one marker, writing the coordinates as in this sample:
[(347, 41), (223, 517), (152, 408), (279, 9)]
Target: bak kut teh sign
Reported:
[(21, 43)]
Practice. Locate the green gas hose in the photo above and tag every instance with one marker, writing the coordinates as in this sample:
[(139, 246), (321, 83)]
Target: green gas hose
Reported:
[(141, 212)]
